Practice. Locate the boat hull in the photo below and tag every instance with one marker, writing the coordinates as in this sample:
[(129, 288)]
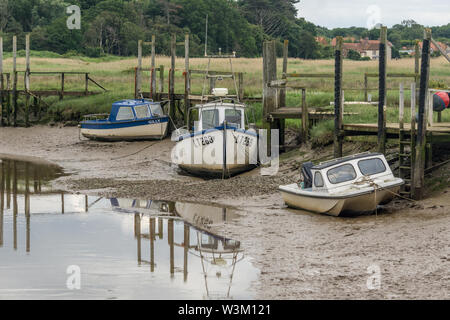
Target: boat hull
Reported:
[(217, 153), (359, 203), (139, 130)]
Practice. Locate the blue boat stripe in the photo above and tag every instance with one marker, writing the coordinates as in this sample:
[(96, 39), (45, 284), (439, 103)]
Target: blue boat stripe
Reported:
[(220, 128), (104, 125)]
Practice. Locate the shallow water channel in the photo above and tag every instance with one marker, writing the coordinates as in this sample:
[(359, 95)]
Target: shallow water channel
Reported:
[(55, 245)]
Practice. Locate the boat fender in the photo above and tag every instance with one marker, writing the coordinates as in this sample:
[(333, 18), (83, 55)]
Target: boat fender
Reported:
[(441, 101)]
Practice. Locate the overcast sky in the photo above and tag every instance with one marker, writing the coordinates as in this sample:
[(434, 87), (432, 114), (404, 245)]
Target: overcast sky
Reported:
[(361, 13)]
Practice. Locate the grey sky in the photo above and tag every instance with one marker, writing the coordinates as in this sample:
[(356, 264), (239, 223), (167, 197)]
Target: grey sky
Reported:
[(347, 13)]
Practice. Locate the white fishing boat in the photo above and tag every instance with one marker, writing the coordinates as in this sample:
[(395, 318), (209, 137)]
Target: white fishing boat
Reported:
[(138, 119), (221, 143), (350, 185)]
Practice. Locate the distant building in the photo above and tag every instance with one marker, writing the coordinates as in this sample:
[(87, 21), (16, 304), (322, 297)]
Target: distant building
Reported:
[(433, 48), (322, 41), (366, 48)]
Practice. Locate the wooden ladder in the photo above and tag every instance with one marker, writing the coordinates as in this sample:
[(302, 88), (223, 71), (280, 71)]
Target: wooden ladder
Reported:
[(407, 144)]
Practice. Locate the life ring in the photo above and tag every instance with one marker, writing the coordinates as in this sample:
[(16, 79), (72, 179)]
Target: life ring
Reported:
[(441, 101)]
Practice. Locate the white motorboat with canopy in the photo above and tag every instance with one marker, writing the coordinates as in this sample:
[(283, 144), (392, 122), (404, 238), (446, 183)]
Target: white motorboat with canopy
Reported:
[(349, 185), (221, 142)]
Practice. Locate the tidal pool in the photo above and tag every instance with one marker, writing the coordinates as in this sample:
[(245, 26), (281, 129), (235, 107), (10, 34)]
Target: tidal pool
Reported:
[(64, 246)]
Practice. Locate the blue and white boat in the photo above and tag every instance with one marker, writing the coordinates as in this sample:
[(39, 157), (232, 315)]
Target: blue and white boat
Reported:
[(129, 120), (221, 145)]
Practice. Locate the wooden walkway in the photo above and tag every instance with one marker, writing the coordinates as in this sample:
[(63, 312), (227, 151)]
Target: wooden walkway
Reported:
[(296, 113), (439, 132)]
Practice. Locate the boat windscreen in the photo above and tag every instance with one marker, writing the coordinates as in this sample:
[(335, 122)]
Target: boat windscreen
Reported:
[(157, 111), (371, 166), (142, 111), (210, 119), (125, 113), (341, 174), (234, 117)]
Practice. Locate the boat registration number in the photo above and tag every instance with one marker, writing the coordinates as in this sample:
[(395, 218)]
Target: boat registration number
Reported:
[(205, 140), (243, 140)]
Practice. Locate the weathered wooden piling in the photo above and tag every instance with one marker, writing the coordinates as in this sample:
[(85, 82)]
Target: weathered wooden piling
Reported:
[(338, 67), (14, 81), (173, 53), (27, 81), (153, 71), (270, 99), (138, 90), (2, 85), (382, 94), (419, 168), (187, 79)]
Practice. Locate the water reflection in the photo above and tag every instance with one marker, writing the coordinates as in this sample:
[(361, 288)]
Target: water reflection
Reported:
[(173, 242), (218, 254)]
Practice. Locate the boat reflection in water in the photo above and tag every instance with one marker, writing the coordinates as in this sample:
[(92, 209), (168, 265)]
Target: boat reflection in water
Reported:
[(218, 255), (178, 253)]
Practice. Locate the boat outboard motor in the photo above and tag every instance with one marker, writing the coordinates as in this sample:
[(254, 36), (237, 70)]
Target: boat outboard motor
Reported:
[(307, 174)]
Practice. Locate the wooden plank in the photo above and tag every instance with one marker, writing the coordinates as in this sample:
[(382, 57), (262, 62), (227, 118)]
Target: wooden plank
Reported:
[(305, 121), (309, 75)]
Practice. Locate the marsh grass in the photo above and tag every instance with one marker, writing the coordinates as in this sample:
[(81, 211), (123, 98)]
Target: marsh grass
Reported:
[(117, 75)]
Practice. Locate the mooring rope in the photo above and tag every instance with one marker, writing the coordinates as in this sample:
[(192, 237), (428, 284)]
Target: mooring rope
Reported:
[(134, 153), (372, 183)]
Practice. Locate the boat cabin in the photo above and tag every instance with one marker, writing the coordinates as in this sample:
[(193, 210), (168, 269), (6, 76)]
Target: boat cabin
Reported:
[(338, 174), (130, 110), (213, 115)]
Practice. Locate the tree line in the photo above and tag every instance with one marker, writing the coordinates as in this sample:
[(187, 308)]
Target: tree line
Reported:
[(115, 26)]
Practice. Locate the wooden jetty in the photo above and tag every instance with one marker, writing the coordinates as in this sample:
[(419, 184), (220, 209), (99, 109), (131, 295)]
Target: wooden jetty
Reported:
[(157, 79), (9, 91), (415, 137)]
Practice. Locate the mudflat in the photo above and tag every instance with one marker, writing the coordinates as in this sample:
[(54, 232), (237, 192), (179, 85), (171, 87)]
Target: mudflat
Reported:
[(300, 255)]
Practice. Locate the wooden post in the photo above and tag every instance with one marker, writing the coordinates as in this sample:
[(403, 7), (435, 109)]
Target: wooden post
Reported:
[(15, 80), (27, 80), (241, 86), (338, 67), (61, 96), (269, 74), (2, 87), (419, 168), (86, 84), (285, 66), (153, 71), (269, 93), (161, 78), (282, 104), (305, 120), (139, 71), (187, 79), (366, 87), (8, 99), (173, 52), (413, 136), (382, 91), (417, 67)]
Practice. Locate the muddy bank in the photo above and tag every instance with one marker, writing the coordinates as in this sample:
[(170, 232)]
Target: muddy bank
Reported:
[(300, 255)]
